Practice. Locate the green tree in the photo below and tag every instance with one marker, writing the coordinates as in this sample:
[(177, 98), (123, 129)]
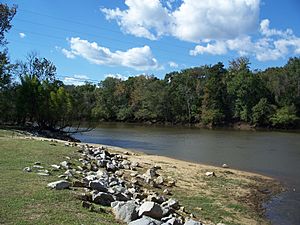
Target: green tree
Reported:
[(244, 89), (285, 117), (214, 98), (7, 103), (6, 15), (262, 112)]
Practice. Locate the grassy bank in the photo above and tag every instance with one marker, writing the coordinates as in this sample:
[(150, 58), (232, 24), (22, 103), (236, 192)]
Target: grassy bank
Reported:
[(232, 197)]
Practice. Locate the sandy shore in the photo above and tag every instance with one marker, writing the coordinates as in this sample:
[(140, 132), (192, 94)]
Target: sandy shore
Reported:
[(229, 191)]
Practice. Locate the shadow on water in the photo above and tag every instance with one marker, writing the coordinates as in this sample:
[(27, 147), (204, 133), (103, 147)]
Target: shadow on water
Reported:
[(275, 154)]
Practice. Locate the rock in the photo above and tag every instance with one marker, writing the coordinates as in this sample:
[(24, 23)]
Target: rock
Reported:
[(171, 203), (151, 209), (192, 222), (102, 198), (59, 185), (27, 169), (98, 185), (159, 180), (55, 167), (225, 165), (43, 174), (145, 221), (134, 164), (134, 181), (86, 204), (38, 167), (166, 192), (150, 173), (156, 198), (171, 183), (77, 183), (68, 173), (134, 174), (210, 174), (157, 167), (119, 173), (125, 211), (65, 164), (173, 221), (121, 197)]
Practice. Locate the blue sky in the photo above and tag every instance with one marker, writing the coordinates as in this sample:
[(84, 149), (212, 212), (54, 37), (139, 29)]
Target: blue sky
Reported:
[(90, 40)]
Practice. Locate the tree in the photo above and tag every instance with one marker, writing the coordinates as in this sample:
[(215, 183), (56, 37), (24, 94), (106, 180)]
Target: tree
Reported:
[(214, 98), (6, 15), (244, 89), (285, 117), (7, 104), (262, 112)]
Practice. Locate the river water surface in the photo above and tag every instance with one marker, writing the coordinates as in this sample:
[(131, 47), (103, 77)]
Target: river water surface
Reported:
[(276, 154)]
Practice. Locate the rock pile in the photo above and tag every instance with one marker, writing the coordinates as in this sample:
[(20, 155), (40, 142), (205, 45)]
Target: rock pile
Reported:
[(110, 179)]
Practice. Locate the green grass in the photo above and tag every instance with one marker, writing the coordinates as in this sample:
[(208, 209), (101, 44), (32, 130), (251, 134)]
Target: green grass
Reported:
[(24, 197)]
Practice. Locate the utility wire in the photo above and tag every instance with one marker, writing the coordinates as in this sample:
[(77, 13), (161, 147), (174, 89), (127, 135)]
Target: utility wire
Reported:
[(89, 25), (110, 39)]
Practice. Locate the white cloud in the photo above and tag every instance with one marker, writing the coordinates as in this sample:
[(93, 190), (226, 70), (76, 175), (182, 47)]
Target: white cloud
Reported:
[(266, 31), (141, 17), (68, 53), (215, 19), (173, 64), (76, 80), (218, 48), (139, 58), (117, 75), (272, 45), (191, 21), (22, 35)]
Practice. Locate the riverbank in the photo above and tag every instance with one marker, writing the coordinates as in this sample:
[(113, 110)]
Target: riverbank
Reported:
[(231, 196)]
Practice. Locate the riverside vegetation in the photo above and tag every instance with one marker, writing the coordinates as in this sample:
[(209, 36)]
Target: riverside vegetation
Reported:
[(208, 95), (97, 177)]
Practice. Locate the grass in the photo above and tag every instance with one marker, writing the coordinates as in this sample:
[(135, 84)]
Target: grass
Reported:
[(24, 196), (25, 199)]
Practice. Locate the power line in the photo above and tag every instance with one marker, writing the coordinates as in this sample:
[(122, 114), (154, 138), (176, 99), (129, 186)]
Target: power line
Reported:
[(116, 40), (89, 25), (90, 34)]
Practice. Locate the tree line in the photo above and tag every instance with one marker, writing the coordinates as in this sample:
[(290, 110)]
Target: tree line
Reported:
[(209, 95)]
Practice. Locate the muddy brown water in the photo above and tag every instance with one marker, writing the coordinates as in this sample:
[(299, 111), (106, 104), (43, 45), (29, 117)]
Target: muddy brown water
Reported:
[(276, 154)]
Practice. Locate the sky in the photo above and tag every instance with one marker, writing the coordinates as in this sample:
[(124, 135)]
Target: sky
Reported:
[(94, 39)]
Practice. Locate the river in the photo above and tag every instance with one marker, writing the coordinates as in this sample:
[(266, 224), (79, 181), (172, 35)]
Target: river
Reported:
[(276, 154)]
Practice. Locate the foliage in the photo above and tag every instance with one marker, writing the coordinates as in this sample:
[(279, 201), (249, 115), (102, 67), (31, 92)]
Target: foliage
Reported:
[(6, 15), (285, 117), (261, 112)]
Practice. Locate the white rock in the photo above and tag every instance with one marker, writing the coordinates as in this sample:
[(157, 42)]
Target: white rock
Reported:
[(210, 174), (55, 167), (59, 185), (27, 169), (151, 209)]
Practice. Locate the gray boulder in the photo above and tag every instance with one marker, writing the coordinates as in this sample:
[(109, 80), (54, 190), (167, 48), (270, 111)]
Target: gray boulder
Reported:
[(59, 185), (102, 198), (173, 221), (98, 185), (192, 222), (145, 220), (125, 211), (151, 209)]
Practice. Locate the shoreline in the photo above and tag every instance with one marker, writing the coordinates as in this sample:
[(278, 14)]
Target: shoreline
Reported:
[(255, 194)]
